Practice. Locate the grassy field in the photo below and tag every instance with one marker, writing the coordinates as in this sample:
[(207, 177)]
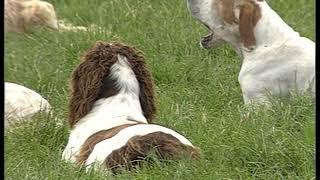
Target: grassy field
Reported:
[(197, 94)]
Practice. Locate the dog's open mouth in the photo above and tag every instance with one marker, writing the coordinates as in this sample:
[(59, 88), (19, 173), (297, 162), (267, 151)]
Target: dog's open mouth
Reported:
[(205, 41), (210, 41)]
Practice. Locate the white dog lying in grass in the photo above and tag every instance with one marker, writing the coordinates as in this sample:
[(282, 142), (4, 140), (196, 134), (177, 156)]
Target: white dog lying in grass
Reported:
[(276, 59), (22, 103), (21, 15)]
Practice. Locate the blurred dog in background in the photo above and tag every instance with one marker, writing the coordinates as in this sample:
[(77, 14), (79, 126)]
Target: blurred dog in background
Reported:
[(21, 15)]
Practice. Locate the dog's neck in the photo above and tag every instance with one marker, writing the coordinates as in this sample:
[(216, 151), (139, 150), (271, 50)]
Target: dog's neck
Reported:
[(271, 29), (116, 110)]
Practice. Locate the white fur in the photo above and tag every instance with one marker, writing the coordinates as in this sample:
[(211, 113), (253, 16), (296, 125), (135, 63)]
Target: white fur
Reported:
[(21, 102), (111, 112), (281, 61), (204, 11)]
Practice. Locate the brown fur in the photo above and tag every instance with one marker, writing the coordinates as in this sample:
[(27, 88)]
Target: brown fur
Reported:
[(139, 147), (225, 11), (21, 15), (87, 84), (248, 18), (97, 137)]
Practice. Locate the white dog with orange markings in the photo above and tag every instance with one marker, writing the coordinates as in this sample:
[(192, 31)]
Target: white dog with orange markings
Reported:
[(276, 59)]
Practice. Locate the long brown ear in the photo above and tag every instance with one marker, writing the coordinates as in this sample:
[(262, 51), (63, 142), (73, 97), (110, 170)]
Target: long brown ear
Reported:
[(248, 18), (225, 11), (146, 95), (87, 80)]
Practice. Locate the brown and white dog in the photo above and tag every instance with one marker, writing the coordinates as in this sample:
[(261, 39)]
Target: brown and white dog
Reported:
[(276, 59), (111, 107), (21, 15)]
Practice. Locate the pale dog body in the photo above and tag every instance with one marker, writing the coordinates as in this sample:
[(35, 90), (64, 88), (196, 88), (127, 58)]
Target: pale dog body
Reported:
[(20, 15), (111, 112), (281, 61), (270, 71), (22, 102)]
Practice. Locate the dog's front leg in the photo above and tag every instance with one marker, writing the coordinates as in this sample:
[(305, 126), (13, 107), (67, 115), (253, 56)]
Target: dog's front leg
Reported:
[(254, 91)]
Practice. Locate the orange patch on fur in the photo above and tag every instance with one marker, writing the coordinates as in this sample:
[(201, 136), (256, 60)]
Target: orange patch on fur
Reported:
[(225, 11), (249, 15)]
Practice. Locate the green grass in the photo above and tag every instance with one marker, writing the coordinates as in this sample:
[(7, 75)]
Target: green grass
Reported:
[(197, 94)]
